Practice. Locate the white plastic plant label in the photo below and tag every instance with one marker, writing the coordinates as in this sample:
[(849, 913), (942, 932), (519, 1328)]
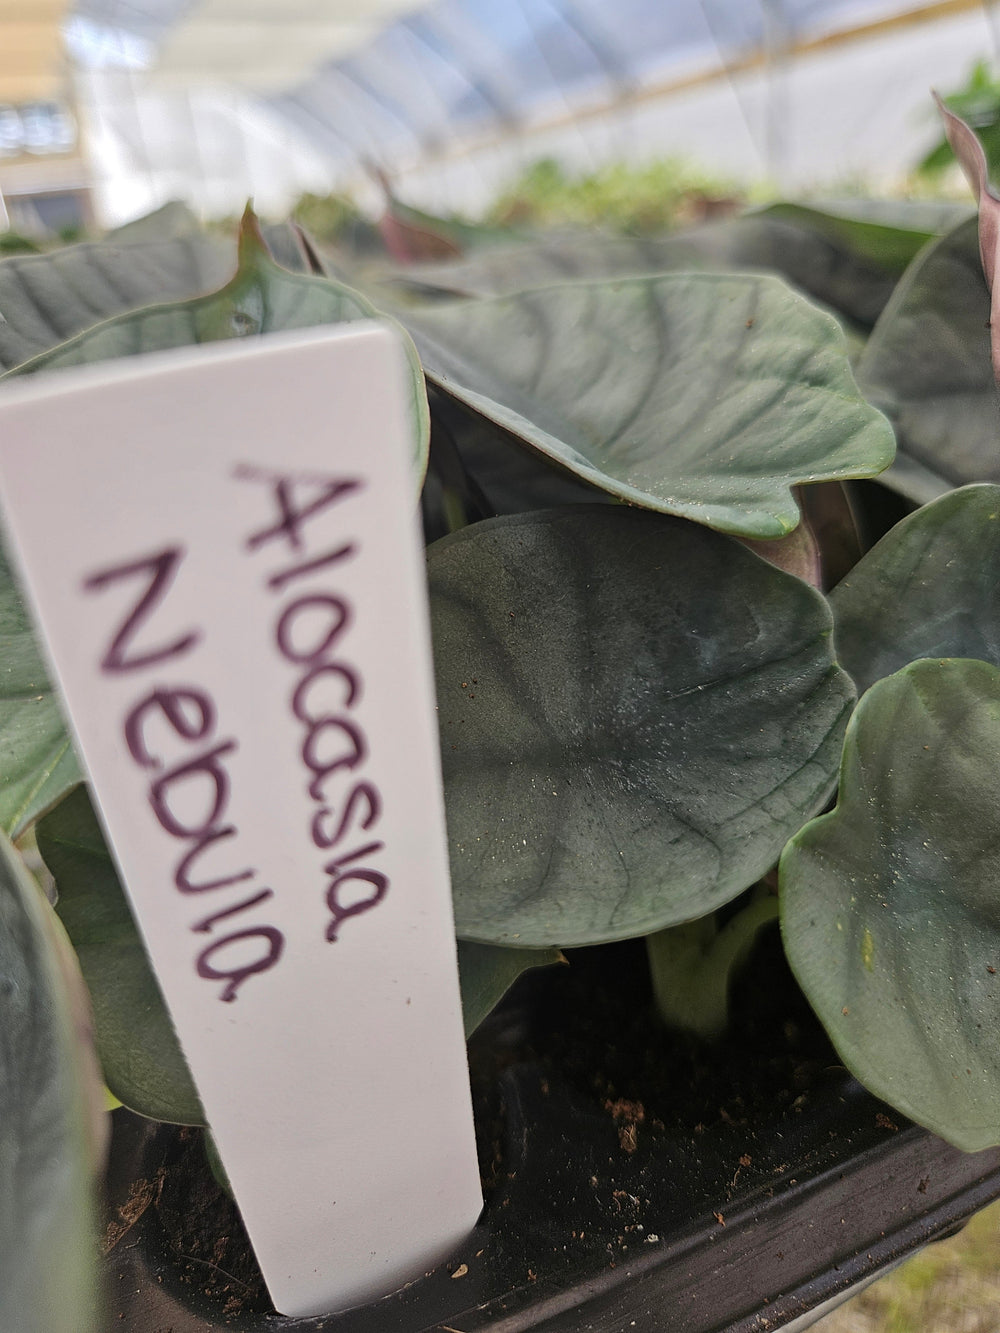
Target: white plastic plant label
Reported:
[(222, 550)]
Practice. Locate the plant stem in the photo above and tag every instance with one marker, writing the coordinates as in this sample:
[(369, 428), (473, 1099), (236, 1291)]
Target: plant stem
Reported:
[(693, 965), (454, 511)]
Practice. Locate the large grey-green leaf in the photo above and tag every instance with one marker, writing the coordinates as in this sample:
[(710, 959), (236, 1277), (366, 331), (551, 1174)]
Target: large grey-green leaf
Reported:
[(48, 1248), (816, 263), (286, 246), (47, 299), (927, 366), (891, 903), (138, 1049), (498, 474), (261, 298), (704, 395), (37, 763), (930, 588), (488, 972), (889, 233), (170, 220), (140, 1055), (636, 713)]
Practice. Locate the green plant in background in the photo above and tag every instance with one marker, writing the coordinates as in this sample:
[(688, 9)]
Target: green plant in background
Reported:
[(326, 217), (978, 104), (407, 234), (334, 219), (653, 197), (12, 243), (657, 592)]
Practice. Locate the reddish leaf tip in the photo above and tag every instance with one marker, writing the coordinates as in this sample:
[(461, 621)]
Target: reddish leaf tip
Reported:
[(251, 241)]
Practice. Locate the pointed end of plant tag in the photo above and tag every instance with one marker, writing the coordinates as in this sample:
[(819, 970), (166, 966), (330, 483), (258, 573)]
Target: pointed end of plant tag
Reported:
[(972, 159)]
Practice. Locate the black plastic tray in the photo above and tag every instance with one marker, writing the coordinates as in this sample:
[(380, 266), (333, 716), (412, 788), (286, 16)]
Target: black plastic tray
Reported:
[(603, 1219)]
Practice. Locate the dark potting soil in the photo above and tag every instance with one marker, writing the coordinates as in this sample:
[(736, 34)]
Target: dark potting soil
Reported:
[(582, 1101)]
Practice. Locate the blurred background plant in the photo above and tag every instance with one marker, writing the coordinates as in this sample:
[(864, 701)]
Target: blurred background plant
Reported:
[(652, 197), (978, 103), (333, 218)]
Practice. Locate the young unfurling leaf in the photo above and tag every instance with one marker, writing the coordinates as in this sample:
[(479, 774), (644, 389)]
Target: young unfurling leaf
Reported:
[(972, 158)]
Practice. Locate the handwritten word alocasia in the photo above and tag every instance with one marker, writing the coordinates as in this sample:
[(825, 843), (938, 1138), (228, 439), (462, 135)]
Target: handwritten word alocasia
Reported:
[(308, 633), (189, 796)]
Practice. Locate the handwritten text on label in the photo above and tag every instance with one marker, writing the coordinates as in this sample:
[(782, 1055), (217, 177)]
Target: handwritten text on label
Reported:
[(190, 795)]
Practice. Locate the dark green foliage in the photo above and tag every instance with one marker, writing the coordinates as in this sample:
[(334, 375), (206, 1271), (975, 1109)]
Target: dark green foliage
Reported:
[(48, 1254), (635, 713), (638, 713), (890, 909)]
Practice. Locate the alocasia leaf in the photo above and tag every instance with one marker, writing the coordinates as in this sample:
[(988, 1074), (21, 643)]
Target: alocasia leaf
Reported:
[(932, 361), (824, 546), (48, 1250), (890, 908), (886, 232), (170, 220), (704, 395), (138, 1049), (488, 972), (175, 219), (471, 452), (37, 763), (411, 234), (831, 517), (816, 263), (286, 245), (972, 159), (46, 299), (408, 241), (927, 366), (140, 1055), (796, 554), (635, 714), (930, 588), (261, 298)]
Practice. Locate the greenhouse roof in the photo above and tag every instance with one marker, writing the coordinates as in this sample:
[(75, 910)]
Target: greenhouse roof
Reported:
[(215, 100), (376, 77)]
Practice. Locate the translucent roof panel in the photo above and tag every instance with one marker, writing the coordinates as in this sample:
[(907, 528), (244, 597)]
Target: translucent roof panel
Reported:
[(413, 85), (504, 55), (458, 67), (146, 19)]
